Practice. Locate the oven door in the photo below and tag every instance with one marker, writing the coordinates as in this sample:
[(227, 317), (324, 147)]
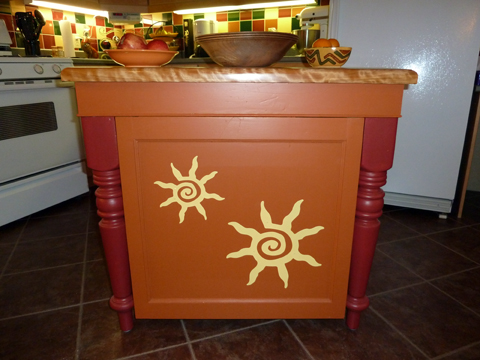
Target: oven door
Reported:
[(41, 147), (39, 129)]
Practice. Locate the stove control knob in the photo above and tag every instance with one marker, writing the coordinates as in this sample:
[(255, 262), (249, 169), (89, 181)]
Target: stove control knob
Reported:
[(57, 68), (38, 69)]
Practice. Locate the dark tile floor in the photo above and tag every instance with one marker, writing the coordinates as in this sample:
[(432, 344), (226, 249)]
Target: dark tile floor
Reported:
[(424, 292)]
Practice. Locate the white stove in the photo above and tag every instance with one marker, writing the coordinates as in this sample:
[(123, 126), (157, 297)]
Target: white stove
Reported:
[(17, 68), (42, 156)]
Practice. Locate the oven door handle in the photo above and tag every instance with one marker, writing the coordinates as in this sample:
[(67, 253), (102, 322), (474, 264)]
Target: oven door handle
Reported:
[(12, 85), (66, 84)]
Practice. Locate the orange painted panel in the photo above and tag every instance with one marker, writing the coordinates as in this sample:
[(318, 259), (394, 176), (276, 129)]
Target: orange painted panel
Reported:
[(247, 99), (209, 201)]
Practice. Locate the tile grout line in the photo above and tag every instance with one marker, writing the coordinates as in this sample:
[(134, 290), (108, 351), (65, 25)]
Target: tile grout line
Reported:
[(398, 332), (443, 356), (82, 291), (189, 343), (234, 331), (14, 248), (456, 252), (302, 345)]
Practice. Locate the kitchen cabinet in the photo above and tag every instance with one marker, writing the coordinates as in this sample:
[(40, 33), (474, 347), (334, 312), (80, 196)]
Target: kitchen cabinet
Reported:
[(287, 166)]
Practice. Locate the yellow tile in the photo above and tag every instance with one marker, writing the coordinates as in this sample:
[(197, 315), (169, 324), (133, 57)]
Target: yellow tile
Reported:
[(210, 16), (58, 40), (17, 6), (46, 13), (157, 17), (285, 25), (222, 27), (271, 13), (90, 20), (69, 15)]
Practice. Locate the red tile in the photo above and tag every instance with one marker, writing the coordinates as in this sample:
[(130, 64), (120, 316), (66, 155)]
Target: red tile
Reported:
[(168, 28), (8, 21), (324, 2), (48, 41), (48, 28), (282, 13), (57, 15), (246, 15), (100, 21), (222, 17), (74, 28), (12, 37), (271, 23), (234, 26), (258, 25)]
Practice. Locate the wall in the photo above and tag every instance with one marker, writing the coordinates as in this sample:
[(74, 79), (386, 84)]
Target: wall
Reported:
[(283, 19)]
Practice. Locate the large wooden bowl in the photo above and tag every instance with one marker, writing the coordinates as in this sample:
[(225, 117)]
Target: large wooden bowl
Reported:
[(247, 48)]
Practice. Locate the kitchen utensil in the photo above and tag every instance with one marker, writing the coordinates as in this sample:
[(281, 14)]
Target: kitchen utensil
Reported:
[(324, 56), (141, 58), (30, 28), (40, 23), (247, 48), (305, 39)]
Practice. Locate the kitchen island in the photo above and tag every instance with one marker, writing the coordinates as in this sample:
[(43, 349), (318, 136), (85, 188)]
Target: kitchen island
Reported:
[(239, 192)]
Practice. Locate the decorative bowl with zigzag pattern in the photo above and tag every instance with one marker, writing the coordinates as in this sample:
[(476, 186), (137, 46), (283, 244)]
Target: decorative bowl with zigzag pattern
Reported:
[(325, 56)]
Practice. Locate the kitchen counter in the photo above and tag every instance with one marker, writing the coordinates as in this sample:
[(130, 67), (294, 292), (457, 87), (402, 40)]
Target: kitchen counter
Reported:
[(218, 74), (309, 146)]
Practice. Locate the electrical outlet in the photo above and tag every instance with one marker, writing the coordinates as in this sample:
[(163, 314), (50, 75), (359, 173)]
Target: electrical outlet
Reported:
[(78, 43)]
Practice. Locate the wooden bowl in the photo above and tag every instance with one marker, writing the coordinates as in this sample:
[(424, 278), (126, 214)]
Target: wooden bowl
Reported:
[(325, 56), (247, 48)]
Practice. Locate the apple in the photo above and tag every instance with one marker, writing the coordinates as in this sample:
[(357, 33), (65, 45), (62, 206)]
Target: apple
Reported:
[(132, 41), (157, 44)]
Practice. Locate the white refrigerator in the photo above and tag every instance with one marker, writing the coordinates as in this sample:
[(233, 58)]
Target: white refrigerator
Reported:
[(440, 40)]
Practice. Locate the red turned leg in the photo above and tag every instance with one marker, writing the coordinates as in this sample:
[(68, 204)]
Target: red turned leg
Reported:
[(102, 157), (377, 158)]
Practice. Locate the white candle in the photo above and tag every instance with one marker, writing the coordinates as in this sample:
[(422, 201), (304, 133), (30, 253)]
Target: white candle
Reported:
[(67, 37)]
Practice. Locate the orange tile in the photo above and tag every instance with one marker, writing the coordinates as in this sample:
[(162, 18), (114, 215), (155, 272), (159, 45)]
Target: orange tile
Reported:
[(177, 19), (234, 26), (297, 10), (48, 28), (258, 25), (271, 23), (222, 16), (246, 15), (286, 12)]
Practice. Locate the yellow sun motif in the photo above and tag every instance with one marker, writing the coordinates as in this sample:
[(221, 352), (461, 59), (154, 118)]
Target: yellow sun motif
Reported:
[(190, 192), (276, 247)]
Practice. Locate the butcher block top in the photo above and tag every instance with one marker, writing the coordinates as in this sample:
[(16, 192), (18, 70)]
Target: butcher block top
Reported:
[(169, 74)]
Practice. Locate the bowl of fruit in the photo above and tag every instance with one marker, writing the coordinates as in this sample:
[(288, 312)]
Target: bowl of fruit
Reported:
[(133, 50), (327, 52)]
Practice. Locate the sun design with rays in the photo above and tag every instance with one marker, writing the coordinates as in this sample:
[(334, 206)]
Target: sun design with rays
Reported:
[(277, 247), (190, 192)]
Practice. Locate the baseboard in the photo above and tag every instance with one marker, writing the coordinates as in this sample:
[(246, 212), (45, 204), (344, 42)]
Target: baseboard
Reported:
[(419, 202)]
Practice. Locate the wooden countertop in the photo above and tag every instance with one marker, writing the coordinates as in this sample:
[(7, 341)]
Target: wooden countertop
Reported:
[(218, 74)]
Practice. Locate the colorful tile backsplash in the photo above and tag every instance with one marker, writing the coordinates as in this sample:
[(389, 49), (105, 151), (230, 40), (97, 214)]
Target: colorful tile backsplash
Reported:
[(98, 28)]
